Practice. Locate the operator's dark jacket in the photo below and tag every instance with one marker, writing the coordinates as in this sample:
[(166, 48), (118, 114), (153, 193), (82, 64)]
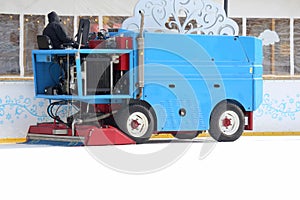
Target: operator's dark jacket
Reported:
[(56, 32)]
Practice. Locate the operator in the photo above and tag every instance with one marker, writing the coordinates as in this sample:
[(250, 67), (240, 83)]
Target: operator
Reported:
[(56, 31)]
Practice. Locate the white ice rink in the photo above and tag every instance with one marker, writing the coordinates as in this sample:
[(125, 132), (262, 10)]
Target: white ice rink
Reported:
[(250, 168)]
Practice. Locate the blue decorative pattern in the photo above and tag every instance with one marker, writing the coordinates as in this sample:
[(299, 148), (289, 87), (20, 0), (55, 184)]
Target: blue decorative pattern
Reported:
[(19, 108), (286, 108)]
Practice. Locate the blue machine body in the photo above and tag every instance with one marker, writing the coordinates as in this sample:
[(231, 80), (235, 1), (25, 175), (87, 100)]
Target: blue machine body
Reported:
[(185, 76)]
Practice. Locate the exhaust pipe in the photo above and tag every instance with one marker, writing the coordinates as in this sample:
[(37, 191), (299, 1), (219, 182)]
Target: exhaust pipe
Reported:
[(141, 67)]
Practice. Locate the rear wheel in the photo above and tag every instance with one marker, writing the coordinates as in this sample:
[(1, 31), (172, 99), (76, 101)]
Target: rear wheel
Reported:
[(137, 122), (227, 122)]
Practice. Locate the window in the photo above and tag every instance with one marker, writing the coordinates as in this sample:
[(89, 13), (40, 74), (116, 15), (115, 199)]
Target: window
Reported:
[(113, 21), (297, 45), (277, 55), (282, 48), (68, 23), (9, 44), (33, 26), (239, 22)]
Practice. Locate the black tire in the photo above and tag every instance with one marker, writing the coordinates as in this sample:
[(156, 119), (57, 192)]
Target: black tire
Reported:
[(187, 135), (227, 122), (137, 121)]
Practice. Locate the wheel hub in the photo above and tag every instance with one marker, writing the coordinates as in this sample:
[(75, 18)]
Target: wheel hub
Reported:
[(137, 124), (229, 123)]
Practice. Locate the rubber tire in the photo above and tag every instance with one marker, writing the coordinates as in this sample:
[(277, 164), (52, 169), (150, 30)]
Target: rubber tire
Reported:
[(122, 117), (215, 131), (187, 136)]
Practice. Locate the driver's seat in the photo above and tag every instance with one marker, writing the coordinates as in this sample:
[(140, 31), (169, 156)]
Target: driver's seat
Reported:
[(44, 42)]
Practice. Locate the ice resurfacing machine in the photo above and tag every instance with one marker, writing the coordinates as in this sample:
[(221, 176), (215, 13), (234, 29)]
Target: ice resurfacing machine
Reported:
[(123, 88)]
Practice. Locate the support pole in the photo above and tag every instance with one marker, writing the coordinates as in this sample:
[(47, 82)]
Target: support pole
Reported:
[(226, 6)]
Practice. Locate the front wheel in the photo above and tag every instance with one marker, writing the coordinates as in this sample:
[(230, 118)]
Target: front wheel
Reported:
[(227, 122), (137, 122)]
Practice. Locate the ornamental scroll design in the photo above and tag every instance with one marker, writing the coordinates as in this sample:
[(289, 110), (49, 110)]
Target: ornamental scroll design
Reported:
[(182, 16), (13, 109), (21, 108), (287, 108)]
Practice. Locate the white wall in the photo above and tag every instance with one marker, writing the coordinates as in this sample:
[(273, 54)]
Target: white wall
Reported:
[(280, 109), (279, 112), (19, 109)]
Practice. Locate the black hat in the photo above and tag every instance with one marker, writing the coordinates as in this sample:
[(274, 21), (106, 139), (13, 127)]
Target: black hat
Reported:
[(53, 16)]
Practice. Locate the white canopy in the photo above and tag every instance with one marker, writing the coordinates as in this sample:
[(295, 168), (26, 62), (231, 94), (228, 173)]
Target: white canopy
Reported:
[(69, 7), (237, 8)]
